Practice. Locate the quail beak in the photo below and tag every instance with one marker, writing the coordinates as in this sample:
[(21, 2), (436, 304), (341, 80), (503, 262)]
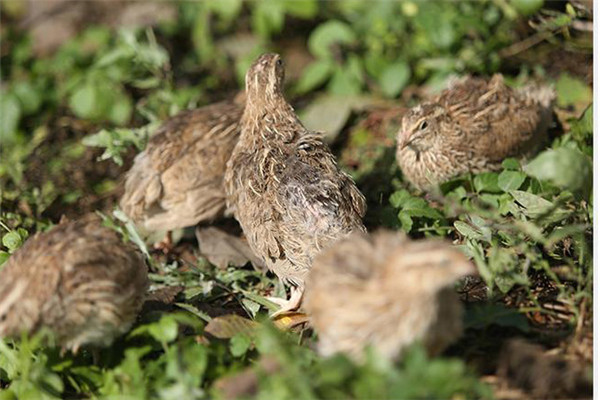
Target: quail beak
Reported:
[(404, 141)]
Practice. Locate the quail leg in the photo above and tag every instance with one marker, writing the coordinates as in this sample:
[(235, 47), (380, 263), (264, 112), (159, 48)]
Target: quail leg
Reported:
[(165, 245), (287, 305)]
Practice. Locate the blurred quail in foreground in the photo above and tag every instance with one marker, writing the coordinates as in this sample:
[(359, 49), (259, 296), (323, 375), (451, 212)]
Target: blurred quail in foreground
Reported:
[(385, 291), (177, 181), (79, 280), (472, 127), (283, 183)]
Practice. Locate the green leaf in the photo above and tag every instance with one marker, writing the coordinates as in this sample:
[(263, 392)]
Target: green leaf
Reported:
[(511, 180), (327, 34), (268, 17), (12, 241), (564, 167), (10, 114), (487, 182), (314, 75), (3, 257), (584, 127), (511, 164), (571, 91), (536, 206), (29, 97), (120, 112), (84, 101), (302, 8), (344, 82), (239, 344), (394, 78), (527, 7)]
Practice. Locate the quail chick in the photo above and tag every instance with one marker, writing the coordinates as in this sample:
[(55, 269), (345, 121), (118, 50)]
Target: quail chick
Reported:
[(79, 280), (284, 185), (385, 291), (177, 181), (472, 127)]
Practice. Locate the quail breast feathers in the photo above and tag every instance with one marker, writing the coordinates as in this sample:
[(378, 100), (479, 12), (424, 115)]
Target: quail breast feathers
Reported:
[(472, 127)]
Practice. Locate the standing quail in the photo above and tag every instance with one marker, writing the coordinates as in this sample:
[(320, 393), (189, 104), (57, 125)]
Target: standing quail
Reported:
[(284, 185), (472, 127), (79, 280), (385, 291), (177, 181)]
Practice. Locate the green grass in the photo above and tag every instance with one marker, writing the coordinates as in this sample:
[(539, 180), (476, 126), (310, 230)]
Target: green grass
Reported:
[(72, 121)]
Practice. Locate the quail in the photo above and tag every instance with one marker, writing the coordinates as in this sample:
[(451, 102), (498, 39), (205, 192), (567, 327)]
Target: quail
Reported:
[(79, 280), (472, 127), (283, 184), (385, 291), (177, 181)]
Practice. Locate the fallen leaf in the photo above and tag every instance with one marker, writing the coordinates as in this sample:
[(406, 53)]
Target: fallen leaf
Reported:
[(227, 326), (223, 249)]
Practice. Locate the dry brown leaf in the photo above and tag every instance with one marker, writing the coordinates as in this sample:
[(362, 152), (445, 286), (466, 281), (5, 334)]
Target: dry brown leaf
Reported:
[(228, 326), (223, 249), (289, 320)]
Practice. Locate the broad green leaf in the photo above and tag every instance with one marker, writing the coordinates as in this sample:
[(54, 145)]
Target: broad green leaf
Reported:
[(302, 8), (511, 180), (10, 114), (564, 167), (84, 101), (486, 182), (344, 82), (29, 97), (511, 164), (239, 344), (536, 206), (120, 112), (327, 34), (394, 78), (314, 75), (527, 7), (571, 91)]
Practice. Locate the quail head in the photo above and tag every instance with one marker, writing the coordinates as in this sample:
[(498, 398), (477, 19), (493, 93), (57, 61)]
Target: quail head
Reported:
[(283, 183), (385, 291), (78, 280), (177, 181), (472, 127)]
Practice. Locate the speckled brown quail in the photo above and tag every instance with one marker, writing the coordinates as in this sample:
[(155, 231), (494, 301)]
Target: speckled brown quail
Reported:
[(385, 291), (177, 181), (284, 185), (79, 280), (472, 127)]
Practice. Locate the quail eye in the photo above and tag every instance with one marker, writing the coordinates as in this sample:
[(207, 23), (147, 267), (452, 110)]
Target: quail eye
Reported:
[(279, 62), (423, 125)]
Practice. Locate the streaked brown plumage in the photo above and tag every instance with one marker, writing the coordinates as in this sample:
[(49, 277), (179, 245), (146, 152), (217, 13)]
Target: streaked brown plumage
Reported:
[(79, 280), (177, 181), (386, 291), (472, 127), (283, 183)]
